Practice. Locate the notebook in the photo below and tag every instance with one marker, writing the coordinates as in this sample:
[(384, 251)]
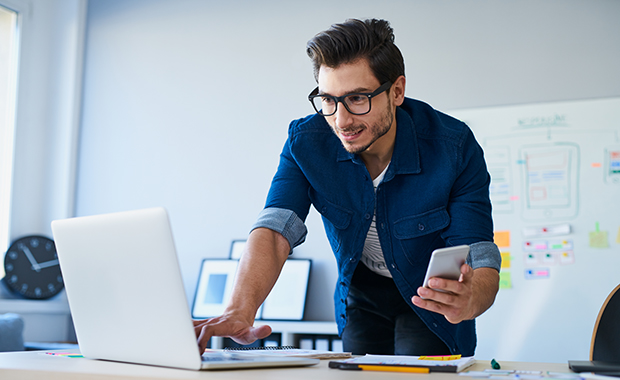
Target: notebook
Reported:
[(126, 294), (450, 363)]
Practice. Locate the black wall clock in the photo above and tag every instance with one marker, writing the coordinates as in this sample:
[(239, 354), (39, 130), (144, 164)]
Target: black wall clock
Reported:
[(31, 268)]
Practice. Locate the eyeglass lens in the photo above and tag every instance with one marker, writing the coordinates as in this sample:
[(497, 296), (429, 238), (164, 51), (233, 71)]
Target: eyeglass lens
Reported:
[(356, 104)]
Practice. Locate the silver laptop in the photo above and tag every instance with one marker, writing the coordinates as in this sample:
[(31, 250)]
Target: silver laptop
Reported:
[(126, 294)]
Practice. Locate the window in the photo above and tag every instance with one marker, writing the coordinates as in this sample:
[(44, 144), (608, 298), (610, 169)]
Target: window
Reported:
[(8, 92)]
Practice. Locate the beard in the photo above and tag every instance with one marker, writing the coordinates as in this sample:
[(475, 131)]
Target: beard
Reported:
[(377, 131)]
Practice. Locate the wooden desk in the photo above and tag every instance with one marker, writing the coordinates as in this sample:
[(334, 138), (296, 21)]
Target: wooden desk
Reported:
[(38, 365)]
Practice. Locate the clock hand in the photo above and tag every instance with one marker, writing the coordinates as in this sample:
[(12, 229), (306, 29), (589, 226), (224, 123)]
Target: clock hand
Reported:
[(50, 263), (35, 265)]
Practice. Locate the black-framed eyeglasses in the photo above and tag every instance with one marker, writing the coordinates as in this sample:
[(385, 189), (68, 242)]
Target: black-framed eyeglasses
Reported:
[(357, 103)]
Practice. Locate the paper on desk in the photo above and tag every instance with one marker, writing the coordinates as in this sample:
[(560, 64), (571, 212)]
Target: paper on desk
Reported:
[(520, 375)]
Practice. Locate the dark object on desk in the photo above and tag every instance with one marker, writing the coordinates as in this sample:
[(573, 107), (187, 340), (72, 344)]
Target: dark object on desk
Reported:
[(605, 346), (601, 368), (614, 374), (495, 364)]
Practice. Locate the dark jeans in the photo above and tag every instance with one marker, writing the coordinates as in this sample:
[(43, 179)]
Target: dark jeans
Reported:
[(381, 322)]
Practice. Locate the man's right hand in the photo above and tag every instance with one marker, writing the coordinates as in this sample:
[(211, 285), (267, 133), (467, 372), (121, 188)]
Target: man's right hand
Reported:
[(228, 325), (258, 270)]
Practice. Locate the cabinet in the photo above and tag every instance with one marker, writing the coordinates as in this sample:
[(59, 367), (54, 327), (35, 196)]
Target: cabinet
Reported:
[(44, 321)]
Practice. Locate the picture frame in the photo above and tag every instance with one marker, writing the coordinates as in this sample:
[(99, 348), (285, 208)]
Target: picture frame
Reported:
[(287, 299), (214, 287), (236, 249)]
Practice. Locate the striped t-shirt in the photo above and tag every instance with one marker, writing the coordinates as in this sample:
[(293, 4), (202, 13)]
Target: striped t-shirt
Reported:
[(372, 256)]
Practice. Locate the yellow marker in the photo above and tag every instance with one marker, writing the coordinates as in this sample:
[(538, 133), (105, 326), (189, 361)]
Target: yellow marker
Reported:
[(387, 368), (440, 357)]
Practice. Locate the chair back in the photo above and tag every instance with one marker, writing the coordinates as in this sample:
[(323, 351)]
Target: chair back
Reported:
[(605, 344)]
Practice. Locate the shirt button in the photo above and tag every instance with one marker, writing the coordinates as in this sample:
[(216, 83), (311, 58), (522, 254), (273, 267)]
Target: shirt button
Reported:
[(383, 226), (367, 216), (394, 266), (421, 227), (352, 259)]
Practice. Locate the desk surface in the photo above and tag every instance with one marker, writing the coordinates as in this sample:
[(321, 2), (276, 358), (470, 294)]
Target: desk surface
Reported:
[(39, 365)]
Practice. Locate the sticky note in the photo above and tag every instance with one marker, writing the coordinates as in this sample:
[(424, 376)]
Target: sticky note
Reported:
[(65, 354), (505, 260), (549, 258), (618, 236), (537, 273), (505, 280), (531, 259), (567, 257), (502, 238), (598, 239)]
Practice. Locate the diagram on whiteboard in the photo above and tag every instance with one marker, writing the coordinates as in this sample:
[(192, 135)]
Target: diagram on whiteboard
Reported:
[(555, 193), (550, 175)]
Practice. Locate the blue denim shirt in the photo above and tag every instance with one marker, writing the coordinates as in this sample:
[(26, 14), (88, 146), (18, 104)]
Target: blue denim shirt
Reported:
[(435, 193)]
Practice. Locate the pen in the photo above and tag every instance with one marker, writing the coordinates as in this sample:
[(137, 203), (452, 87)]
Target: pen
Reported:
[(387, 368), (495, 364)]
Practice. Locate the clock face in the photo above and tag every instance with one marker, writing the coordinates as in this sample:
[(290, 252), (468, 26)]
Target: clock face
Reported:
[(32, 268)]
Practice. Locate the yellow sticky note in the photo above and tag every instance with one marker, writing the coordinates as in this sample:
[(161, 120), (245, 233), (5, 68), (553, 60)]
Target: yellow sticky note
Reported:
[(502, 238), (618, 236), (505, 280), (505, 260)]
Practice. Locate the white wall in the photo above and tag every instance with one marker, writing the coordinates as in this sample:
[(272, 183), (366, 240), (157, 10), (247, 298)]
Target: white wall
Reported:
[(186, 103)]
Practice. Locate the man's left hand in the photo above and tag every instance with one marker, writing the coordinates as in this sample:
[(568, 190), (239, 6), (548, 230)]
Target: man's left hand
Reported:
[(462, 299)]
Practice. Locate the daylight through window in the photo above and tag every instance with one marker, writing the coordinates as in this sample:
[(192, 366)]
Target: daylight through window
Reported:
[(8, 92)]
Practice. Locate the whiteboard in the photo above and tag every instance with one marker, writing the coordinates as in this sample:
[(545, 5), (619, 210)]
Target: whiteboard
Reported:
[(555, 186)]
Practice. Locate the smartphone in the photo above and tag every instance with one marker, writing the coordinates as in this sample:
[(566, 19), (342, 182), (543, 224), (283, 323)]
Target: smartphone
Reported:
[(446, 263)]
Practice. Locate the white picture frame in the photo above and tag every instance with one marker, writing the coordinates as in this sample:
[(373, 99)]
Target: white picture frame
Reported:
[(214, 287), (287, 299), (236, 249)]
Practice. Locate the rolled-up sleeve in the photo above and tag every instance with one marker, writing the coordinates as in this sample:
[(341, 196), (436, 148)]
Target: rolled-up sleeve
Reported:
[(484, 254), (285, 222)]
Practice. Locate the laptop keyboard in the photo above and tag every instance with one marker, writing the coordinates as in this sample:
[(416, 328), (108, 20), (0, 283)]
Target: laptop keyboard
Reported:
[(223, 357)]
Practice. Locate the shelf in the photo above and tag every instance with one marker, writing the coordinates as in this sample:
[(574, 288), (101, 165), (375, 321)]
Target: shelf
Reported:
[(289, 330), (301, 327), (34, 306)]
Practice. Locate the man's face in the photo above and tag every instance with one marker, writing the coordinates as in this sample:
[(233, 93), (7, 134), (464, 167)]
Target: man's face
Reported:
[(358, 133)]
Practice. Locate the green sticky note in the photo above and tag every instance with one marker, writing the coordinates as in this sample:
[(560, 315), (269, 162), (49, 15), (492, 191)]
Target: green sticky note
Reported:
[(505, 280), (598, 239)]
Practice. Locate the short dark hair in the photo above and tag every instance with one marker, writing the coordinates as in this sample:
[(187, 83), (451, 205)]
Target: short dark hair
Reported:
[(353, 39)]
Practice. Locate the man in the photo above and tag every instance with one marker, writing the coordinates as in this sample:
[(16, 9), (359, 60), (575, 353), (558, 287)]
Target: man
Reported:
[(393, 180)]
